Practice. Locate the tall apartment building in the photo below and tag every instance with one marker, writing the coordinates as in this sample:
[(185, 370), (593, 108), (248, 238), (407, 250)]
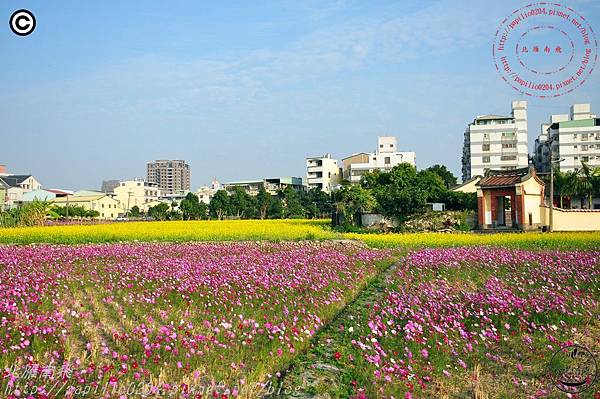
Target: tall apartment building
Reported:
[(575, 138), (385, 157), (496, 142), (171, 176), (322, 173)]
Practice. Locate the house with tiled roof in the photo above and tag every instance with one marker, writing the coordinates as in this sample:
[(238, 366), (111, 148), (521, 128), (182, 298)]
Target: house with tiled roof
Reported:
[(17, 186)]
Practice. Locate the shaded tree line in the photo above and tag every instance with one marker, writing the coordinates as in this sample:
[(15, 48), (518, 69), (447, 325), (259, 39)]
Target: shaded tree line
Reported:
[(583, 183), (401, 193)]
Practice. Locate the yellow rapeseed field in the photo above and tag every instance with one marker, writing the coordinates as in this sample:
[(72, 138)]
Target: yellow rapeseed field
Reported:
[(280, 230), (205, 230)]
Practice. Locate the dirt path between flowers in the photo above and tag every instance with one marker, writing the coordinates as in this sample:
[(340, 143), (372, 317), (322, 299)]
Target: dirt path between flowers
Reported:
[(315, 374)]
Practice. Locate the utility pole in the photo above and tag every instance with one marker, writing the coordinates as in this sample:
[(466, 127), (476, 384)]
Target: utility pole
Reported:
[(552, 162), (128, 198), (67, 207)]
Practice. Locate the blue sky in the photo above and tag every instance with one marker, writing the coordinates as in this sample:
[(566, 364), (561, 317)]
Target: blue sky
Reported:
[(249, 89)]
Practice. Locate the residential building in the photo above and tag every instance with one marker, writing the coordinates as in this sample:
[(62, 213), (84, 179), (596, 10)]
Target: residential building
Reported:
[(26, 182), (108, 186), (384, 158), (575, 139), (107, 206), (496, 142), (16, 186), (271, 185), (3, 194), (206, 193), (323, 173), (170, 176), (137, 192)]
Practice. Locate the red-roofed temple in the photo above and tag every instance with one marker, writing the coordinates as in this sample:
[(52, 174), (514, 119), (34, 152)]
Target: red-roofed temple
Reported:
[(510, 199)]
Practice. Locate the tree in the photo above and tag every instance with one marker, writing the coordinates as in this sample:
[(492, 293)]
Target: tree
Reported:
[(241, 204), (191, 208), (291, 203), (263, 202), (432, 184), (585, 185), (316, 202), (135, 211), (219, 206), (159, 212), (447, 177), (275, 208), (561, 185), (352, 200), (401, 192)]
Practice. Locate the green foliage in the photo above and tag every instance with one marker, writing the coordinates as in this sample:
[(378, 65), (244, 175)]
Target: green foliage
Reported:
[(263, 202), (352, 200), (447, 177), (135, 211), (457, 201), (29, 214), (292, 207), (74, 211), (583, 182), (191, 208), (241, 204), (401, 192), (219, 206), (160, 211)]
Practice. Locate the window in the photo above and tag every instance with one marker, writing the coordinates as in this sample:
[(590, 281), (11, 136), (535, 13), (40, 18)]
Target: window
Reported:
[(486, 135), (509, 145), (486, 159), (102, 205), (508, 134), (584, 147), (584, 136), (575, 146), (485, 147), (387, 160), (391, 146), (380, 145), (574, 135), (585, 159), (508, 157)]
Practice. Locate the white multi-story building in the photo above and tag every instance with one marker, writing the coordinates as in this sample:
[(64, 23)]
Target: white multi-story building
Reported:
[(206, 193), (322, 173), (575, 139), (384, 158), (496, 142), (138, 192)]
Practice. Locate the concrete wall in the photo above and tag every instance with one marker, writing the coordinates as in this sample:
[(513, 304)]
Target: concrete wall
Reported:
[(572, 219)]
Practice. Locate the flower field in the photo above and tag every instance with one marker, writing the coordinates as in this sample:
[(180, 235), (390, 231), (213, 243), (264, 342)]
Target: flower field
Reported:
[(467, 322), (281, 230), (124, 320), (239, 308)]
